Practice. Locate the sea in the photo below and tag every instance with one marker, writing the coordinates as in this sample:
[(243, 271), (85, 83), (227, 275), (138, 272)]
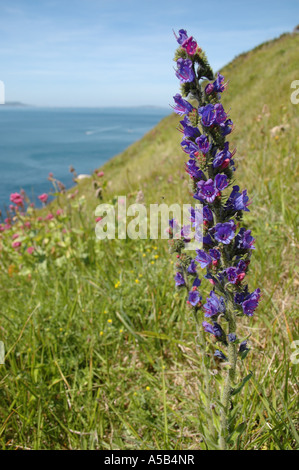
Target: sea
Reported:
[(37, 141)]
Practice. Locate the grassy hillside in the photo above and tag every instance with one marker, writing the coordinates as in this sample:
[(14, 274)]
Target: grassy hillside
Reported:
[(100, 348)]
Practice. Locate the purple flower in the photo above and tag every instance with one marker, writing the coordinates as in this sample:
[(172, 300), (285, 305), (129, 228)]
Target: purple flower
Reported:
[(215, 254), (232, 275), (230, 203), (220, 355), (237, 201), (212, 279), (232, 337), (196, 217), (215, 330), (185, 233), (218, 86), (194, 298), (251, 302), (221, 116), (208, 115), (189, 131), (184, 71), (243, 347), (223, 158), (207, 240), (196, 282), (203, 258), (208, 327), (193, 170), (192, 267), (221, 182), (183, 36), (242, 266), (214, 305), (226, 127), (190, 45), (179, 279), (182, 106), (203, 144), (207, 190), (244, 240), (189, 147), (209, 89), (224, 233), (242, 201), (207, 214), (173, 226), (240, 296)]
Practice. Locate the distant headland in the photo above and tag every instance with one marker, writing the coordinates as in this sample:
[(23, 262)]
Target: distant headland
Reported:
[(15, 103)]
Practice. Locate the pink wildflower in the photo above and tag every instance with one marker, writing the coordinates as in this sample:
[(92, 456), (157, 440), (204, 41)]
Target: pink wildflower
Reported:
[(16, 245), (17, 199), (43, 198)]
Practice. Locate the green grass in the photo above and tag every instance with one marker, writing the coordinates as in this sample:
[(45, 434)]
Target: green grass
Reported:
[(96, 360)]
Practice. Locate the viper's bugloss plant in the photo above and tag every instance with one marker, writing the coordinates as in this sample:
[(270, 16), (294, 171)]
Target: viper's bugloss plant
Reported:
[(227, 246)]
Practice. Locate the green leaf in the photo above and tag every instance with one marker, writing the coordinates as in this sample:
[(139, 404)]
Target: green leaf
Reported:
[(244, 381)]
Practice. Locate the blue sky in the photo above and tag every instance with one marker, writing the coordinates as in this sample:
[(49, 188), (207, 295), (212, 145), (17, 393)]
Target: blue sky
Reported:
[(119, 52)]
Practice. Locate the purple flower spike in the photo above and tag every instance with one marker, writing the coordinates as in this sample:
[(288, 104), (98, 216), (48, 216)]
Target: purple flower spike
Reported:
[(224, 246)]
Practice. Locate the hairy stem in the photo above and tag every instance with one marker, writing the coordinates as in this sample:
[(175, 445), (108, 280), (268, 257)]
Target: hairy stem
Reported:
[(229, 381), (207, 377), (205, 366)]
